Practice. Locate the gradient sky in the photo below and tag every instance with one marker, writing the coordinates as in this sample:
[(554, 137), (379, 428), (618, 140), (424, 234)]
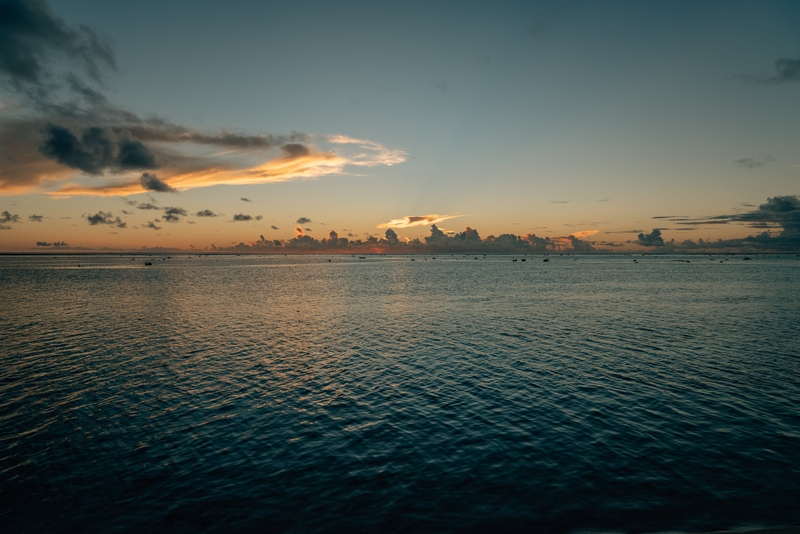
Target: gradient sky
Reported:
[(557, 118)]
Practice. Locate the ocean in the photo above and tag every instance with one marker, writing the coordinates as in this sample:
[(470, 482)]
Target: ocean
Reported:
[(445, 394)]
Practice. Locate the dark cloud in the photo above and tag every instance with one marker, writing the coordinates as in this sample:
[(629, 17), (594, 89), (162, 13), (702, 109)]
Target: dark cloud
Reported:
[(579, 245), (653, 239), (35, 218), (148, 206), (102, 217), (133, 154), (780, 212), (752, 163), (60, 244), (43, 244), (295, 150), (173, 214), (152, 183), (93, 153), (390, 235), (97, 151), (259, 217), (206, 213), (274, 227), (776, 212), (787, 70), (32, 38), (303, 220), (242, 217), (152, 225), (7, 217), (243, 199), (560, 201), (162, 131)]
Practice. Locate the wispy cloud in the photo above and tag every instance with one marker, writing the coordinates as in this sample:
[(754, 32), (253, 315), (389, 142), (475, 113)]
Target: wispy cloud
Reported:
[(787, 70), (409, 221), (752, 163)]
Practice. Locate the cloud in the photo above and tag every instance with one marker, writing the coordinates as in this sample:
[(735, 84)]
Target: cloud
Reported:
[(578, 245), (102, 217), (7, 217), (653, 239), (303, 220), (33, 38), (152, 225), (409, 221), (68, 139), (274, 227), (243, 199), (35, 218), (206, 213), (242, 217), (97, 151), (776, 212), (150, 182), (787, 70), (173, 214), (295, 150), (43, 244), (377, 154), (259, 217), (752, 163), (560, 201), (148, 206), (585, 233)]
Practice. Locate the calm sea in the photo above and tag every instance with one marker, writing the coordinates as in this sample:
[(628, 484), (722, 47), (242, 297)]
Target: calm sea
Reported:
[(332, 393)]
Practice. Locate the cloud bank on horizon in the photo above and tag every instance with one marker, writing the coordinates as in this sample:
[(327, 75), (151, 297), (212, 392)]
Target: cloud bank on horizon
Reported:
[(61, 135)]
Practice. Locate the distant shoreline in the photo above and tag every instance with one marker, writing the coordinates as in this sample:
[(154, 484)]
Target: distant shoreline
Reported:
[(375, 253)]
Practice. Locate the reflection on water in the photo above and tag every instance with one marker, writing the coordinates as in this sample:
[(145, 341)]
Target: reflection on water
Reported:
[(294, 393)]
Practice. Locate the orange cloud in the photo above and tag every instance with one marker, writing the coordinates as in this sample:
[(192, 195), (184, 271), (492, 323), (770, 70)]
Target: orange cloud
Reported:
[(299, 162), (410, 221), (585, 233)]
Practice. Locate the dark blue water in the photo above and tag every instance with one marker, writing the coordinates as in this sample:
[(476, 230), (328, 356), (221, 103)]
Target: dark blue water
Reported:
[(298, 394)]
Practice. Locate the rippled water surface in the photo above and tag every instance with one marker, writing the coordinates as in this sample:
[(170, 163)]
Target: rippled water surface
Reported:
[(455, 394)]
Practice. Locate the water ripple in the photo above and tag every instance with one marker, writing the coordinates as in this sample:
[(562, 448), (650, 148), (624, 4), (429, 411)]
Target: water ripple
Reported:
[(293, 393)]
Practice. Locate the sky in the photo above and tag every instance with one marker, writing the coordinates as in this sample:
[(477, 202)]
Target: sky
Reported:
[(201, 125)]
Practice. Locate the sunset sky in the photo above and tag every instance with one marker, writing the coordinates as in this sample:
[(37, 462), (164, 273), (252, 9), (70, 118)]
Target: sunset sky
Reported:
[(190, 123)]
